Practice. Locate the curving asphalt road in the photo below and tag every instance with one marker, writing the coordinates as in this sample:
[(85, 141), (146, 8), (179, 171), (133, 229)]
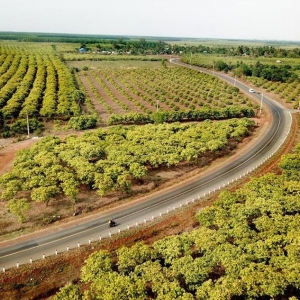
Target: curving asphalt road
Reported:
[(142, 211)]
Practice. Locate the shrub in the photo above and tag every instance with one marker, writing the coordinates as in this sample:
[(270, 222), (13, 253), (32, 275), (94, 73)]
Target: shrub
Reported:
[(20, 127), (82, 122)]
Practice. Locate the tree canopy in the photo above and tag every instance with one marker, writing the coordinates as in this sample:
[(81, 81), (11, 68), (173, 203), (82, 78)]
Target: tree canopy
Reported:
[(247, 247), (108, 160)]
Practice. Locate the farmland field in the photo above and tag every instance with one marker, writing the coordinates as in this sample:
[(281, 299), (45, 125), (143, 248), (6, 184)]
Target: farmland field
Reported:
[(288, 92), (42, 80), (131, 88), (34, 81), (248, 239), (43, 84)]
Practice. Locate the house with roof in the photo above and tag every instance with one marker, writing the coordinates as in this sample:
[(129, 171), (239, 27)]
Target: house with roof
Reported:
[(82, 50)]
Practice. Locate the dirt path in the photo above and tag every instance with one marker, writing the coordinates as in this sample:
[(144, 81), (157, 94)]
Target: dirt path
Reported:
[(9, 150)]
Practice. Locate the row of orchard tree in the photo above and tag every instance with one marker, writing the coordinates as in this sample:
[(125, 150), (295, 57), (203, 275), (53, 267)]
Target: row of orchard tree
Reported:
[(112, 159), (34, 84), (247, 247), (149, 89), (182, 115)]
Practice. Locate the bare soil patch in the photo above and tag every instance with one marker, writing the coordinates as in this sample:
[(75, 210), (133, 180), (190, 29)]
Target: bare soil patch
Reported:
[(98, 106), (132, 107)]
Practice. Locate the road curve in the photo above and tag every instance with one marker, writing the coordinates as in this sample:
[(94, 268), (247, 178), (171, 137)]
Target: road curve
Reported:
[(142, 211)]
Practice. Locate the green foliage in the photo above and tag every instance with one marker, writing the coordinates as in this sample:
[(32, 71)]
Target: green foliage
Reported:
[(68, 292), (130, 118), (179, 116), (78, 97), (11, 184), (220, 65), (246, 248), (128, 259), (112, 159), (164, 94), (115, 286), (1, 119), (171, 248), (38, 84), (96, 266), (44, 193), (244, 62), (173, 290), (159, 117), (18, 207), (20, 127), (82, 122), (290, 163)]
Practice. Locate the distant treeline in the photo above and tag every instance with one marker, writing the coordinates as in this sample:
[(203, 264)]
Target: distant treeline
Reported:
[(255, 51), (157, 45), (271, 72), (52, 38), (22, 36), (140, 46)]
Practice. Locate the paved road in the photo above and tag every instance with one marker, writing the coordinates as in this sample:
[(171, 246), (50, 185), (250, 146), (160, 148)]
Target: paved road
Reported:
[(136, 213)]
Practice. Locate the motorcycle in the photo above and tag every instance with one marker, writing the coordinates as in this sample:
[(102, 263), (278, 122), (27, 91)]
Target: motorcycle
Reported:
[(112, 223)]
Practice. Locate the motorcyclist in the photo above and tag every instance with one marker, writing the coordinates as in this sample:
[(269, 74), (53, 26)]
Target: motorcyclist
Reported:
[(111, 222)]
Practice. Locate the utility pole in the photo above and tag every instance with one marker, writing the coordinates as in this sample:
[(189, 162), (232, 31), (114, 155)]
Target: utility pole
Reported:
[(27, 125), (261, 100)]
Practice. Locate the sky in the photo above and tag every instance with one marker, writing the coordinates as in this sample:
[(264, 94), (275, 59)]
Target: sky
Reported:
[(221, 19)]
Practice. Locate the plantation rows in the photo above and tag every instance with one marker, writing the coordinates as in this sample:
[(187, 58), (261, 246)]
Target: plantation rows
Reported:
[(147, 90), (289, 91), (36, 83)]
